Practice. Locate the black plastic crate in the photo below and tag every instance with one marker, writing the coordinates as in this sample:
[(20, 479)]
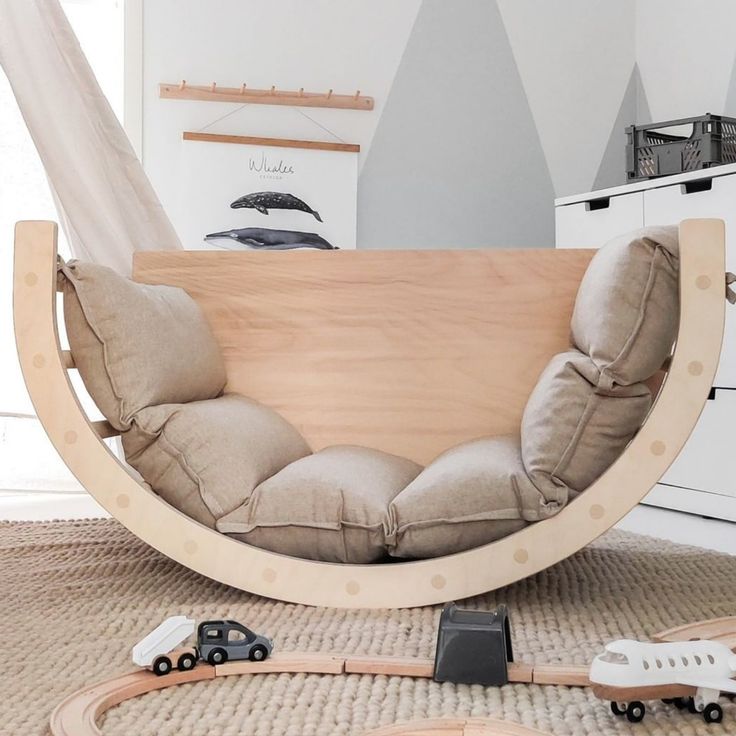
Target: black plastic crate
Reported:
[(652, 152)]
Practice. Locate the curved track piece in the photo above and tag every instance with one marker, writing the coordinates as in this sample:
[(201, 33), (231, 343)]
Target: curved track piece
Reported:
[(715, 629), (453, 577), (78, 714), (458, 727)]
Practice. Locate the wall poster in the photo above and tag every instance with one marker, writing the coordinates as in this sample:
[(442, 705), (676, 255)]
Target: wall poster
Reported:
[(237, 195)]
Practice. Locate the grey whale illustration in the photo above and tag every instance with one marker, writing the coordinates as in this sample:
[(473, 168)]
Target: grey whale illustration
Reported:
[(265, 201), (272, 239)]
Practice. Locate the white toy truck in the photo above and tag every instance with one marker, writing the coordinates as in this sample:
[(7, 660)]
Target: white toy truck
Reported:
[(158, 651)]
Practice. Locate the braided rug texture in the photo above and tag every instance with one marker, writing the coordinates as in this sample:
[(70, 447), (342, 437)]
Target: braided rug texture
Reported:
[(76, 596)]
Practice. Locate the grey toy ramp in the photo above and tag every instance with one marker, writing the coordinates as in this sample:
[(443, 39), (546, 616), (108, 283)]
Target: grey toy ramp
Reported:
[(393, 415)]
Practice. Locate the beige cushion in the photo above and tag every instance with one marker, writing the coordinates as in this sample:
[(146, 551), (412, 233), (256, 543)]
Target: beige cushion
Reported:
[(206, 457), (469, 496), (330, 506), (571, 430), (137, 345), (627, 307)]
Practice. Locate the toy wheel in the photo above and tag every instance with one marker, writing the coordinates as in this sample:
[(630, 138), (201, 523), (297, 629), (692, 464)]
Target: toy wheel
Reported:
[(186, 662), (635, 711), (217, 656), (618, 709), (713, 713), (681, 703), (691, 705), (258, 653), (161, 666)]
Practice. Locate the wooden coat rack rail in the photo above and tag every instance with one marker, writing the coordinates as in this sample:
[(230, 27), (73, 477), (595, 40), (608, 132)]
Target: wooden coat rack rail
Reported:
[(273, 96)]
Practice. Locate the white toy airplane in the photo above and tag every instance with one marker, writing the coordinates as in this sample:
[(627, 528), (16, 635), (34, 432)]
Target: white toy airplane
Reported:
[(690, 674)]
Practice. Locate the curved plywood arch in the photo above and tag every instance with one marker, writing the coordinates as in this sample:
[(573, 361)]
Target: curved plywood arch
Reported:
[(534, 548)]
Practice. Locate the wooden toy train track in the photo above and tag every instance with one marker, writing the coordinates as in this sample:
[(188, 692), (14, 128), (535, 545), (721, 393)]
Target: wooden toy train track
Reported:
[(78, 714)]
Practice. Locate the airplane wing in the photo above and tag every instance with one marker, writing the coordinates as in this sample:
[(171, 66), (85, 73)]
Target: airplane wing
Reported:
[(724, 684)]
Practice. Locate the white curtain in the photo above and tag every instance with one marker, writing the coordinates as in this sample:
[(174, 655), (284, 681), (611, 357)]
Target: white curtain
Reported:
[(107, 205)]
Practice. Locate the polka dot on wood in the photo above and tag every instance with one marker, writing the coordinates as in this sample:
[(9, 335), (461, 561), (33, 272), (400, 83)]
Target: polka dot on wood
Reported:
[(190, 546), (657, 447), (438, 582), (122, 500), (352, 588), (596, 511), (30, 279), (694, 367), (39, 361), (70, 437), (521, 555), (268, 575), (703, 282)]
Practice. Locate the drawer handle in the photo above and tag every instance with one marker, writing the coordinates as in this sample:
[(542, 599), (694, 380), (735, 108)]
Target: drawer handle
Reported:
[(699, 185), (602, 203)]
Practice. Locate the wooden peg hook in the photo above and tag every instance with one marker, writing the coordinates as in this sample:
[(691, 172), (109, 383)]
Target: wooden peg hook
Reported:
[(183, 84), (329, 94), (273, 89), (242, 88), (213, 87), (357, 94)]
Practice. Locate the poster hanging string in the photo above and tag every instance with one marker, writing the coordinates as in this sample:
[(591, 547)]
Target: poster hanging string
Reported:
[(293, 109)]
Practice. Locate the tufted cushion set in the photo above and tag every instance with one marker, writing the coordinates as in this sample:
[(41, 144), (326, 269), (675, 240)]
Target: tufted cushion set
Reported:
[(149, 360)]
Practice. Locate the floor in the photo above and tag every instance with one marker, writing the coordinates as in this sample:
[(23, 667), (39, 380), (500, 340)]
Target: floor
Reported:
[(655, 522)]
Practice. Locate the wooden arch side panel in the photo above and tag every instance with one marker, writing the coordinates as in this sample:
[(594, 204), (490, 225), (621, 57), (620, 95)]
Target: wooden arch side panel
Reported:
[(397, 585)]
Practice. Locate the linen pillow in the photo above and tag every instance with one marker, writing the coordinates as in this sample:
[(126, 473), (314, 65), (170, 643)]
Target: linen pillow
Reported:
[(330, 506), (627, 308), (573, 429), (470, 495), (137, 345), (206, 457)]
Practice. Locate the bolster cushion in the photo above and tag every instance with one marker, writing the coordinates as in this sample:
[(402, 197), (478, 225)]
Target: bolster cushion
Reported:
[(627, 308), (330, 506), (470, 495), (206, 457), (573, 429), (137, 345)]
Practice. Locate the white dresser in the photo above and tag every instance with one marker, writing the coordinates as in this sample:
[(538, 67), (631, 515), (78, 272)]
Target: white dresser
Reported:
[(703, 478)]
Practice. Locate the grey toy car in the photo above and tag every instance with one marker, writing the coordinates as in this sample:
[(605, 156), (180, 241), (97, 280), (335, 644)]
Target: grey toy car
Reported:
[(219, 641)]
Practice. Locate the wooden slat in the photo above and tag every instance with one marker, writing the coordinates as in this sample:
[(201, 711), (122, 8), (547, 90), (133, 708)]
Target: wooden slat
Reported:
[(67, 359), (277, 142), (410, 352), (651, 692), (520, 672), (560, 674), (286, 662), (718, 629), (202, 93), (104, 429), (392, 666)]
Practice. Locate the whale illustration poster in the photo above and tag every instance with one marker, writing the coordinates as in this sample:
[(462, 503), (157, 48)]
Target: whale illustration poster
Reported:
[(226, 187)]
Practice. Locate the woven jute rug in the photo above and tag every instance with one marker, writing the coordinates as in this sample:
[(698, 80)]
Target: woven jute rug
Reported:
[(75, 597)]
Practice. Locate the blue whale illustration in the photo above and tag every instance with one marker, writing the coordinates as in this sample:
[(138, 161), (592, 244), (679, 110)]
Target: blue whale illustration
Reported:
[(271, 239)]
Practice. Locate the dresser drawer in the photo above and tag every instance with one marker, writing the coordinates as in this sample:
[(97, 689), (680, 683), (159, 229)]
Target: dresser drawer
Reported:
[(705, 462), (591, 223), (714, 197)]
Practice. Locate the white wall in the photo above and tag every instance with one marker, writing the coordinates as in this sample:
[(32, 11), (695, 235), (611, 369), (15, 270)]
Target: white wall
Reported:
[(686, 52)]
